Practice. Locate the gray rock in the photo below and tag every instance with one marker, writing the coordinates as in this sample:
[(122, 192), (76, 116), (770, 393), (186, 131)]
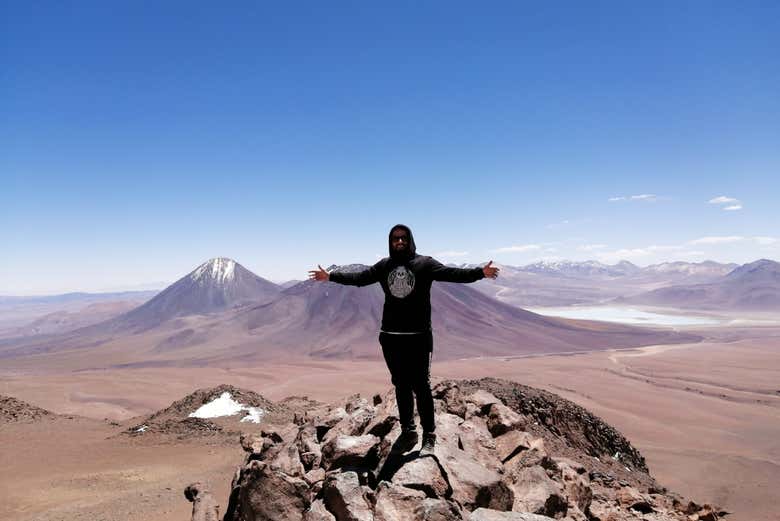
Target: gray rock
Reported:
[(266, 494), (472, 484), (535, 492), (501, 419), (576, 483), (484, 514), (425, 475), (512, 443), (343, 450), (318, 512), (482, 399), (346, 499), (395, 502)]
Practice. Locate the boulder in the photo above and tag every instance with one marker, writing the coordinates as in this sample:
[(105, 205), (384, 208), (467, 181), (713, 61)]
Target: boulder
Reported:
[(343, 450), (576, 483), (308, 446), (472, 484), (358, 416), (438, 510), (448, 398), (346, 499), (423, 474), (318, 512), (266, 494), (395, 502), (501, 419), (512, 443), (475, 439), (484, 514), (631, 498), (288, 460), (535, 492), (481, 399)]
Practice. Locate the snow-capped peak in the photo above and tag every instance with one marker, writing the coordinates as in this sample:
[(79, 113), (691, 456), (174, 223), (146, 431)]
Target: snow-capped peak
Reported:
[(219, 269)]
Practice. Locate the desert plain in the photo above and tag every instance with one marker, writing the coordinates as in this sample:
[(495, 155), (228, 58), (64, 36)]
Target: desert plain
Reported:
[(705, 415)]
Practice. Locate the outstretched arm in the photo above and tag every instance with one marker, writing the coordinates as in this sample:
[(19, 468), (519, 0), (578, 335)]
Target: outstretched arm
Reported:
[(359, 278), (447, 274)]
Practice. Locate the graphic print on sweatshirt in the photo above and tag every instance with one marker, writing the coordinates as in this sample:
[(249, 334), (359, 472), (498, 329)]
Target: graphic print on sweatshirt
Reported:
[(400, 281)]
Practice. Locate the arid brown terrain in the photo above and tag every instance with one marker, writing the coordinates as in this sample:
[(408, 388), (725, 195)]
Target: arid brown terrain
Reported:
[(706, 417)]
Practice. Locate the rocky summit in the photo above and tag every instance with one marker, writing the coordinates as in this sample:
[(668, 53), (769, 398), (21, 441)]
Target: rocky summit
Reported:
[(504, 452)]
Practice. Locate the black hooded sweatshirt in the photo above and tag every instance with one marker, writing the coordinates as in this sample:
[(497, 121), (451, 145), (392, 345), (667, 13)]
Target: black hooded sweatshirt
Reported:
[(406, 279)]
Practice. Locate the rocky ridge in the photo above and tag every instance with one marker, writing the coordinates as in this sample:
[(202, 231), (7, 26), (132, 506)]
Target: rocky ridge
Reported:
[(176, 420), (13, 410), (504, 452)]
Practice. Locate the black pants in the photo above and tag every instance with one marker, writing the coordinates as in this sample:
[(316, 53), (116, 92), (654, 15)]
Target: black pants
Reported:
[(409, 359)]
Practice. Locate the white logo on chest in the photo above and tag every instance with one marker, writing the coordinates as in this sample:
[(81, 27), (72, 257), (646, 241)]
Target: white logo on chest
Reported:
[(400, 281)]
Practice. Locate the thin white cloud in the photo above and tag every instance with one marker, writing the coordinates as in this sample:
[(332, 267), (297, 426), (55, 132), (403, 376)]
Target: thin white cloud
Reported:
[(639, 197), (722, 200), (451, 253), (765, 241), (517, 249), (718, 239), (731, 202)]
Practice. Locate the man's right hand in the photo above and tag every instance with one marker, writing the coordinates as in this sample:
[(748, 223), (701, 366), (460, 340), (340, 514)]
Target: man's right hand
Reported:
[(319, 274)]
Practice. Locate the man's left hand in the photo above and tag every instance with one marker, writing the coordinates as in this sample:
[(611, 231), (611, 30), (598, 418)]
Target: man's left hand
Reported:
[(490, 271)]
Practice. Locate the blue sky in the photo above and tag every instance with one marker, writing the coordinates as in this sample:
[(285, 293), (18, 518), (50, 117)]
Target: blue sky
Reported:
[(139, 140)]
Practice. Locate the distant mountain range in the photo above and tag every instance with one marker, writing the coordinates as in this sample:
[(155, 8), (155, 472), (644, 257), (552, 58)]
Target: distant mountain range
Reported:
[(222, 314), (750, 287)]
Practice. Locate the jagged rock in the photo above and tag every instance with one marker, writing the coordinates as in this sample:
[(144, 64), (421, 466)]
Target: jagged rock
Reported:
[(346, 499), (358, 415), (482, 399), (501, 419), (314, 475), (484, 514), (576, 483), (326, 420), (631, 498), (535, 492), (267, 495), (344, 450), (288, 460), (438, 510), (204, 506), (261, 445), (448, 398), (512, 443), (483, 461), (472, 484), (318, 512), (448, 429), (475, 439), (423, 474), (534, 456), (309, 448), (396, 502)]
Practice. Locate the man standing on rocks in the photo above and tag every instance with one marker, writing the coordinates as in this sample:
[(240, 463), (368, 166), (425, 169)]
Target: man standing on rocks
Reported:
[(405, 335)]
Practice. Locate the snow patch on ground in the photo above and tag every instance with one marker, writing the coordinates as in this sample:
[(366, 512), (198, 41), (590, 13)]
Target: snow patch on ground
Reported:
[(225, 405)]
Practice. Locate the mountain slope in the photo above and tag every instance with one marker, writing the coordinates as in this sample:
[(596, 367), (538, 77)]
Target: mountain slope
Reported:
[(215, 285), (754, 286)]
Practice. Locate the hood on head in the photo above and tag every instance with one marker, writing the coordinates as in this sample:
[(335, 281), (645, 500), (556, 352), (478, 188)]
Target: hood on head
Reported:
[(411, 250)]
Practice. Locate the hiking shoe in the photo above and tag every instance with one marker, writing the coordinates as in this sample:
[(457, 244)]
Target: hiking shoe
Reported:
[(429, 442), (407, 440)]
